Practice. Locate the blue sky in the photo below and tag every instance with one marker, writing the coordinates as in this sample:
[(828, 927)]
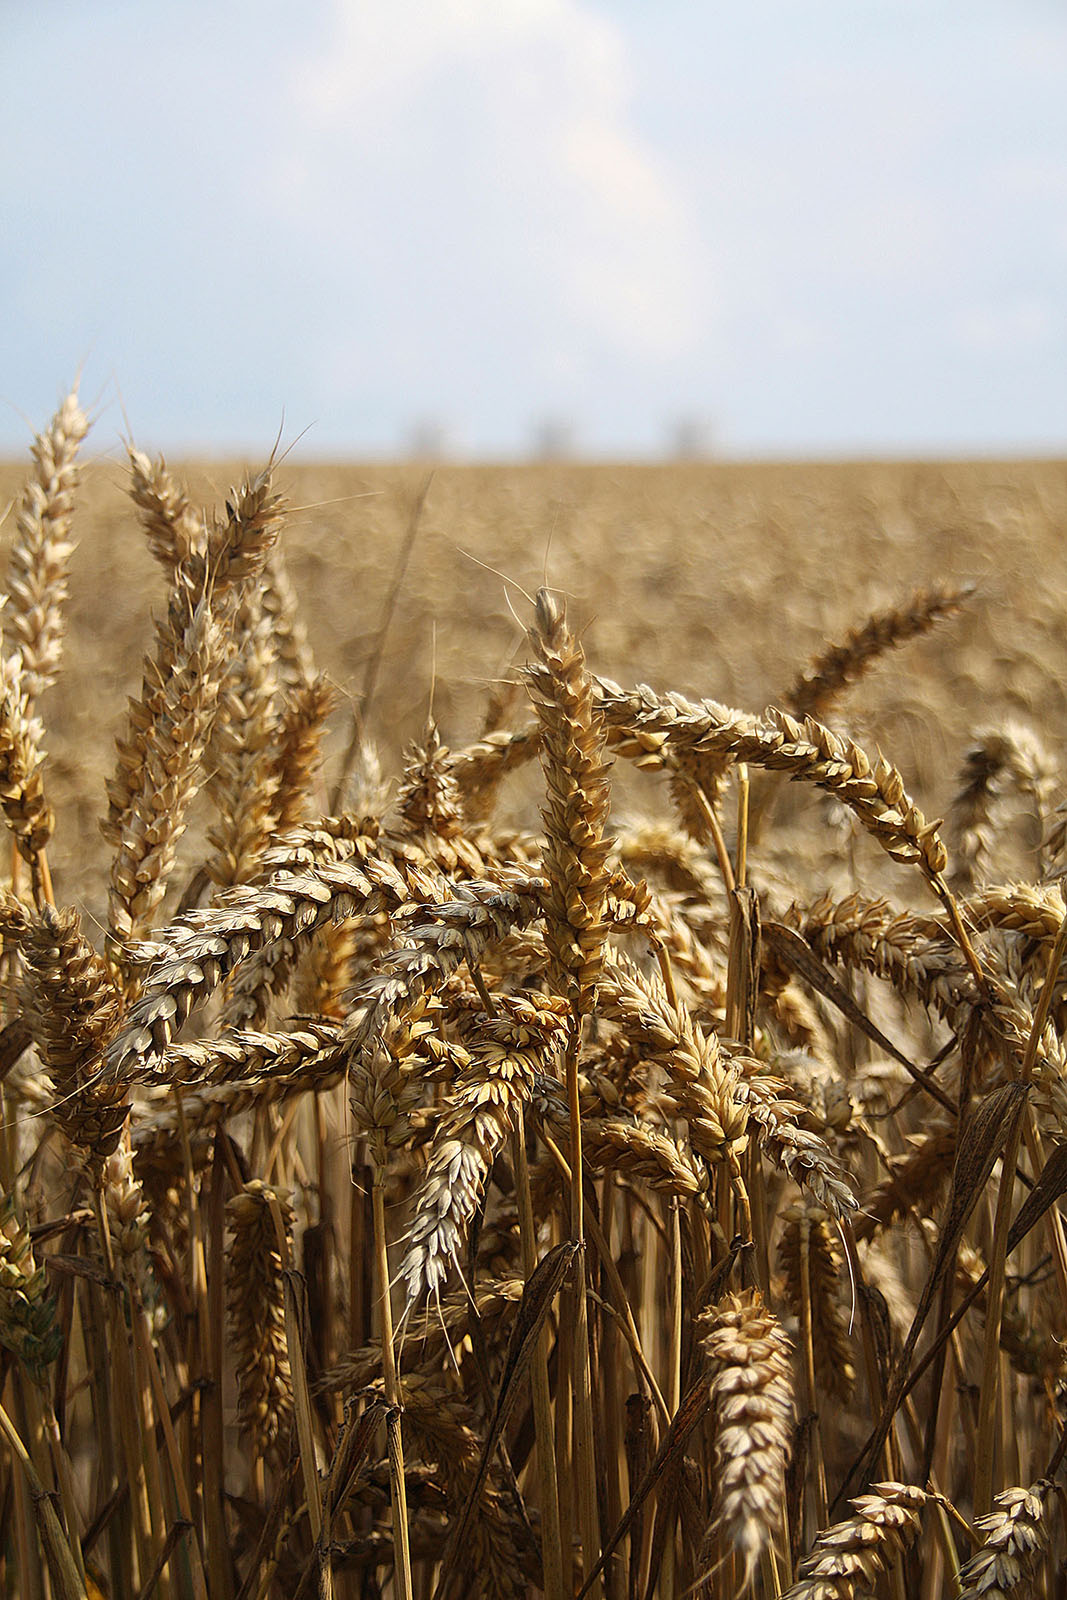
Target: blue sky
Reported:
[(805, 226)]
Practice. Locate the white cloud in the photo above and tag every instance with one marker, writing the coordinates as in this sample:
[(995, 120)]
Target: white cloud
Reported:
[(514, 116)]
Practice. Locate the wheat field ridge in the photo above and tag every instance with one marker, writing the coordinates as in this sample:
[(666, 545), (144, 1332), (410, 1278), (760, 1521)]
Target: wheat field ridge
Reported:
[(533, 1030)]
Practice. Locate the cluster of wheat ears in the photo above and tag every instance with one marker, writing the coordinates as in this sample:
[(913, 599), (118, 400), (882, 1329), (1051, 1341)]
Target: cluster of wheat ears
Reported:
[(399, 1204)]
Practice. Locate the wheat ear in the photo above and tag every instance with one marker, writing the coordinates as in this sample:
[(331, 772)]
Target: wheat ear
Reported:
[(806, 750), (213, 574), (849, 1556), (1014, 1534), (835, 669), (481, 768), (1001, 758), (507, 1051), (160, 771), (915, 1179), (751, 1376), (38, 565), (28, 1325), (175, 532), (72, 1008), (197, 952), (298, 758), (296, 661), (810, 1259), (441, 937), (243, 756), (698, 1082), (256, 1298), (804, 1155), (22, 797)]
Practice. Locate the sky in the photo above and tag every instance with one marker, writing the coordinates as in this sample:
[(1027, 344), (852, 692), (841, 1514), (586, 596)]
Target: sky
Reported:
[(784, 228)]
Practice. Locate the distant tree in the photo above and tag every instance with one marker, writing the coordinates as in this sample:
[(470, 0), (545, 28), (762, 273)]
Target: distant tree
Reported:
[(553, 439), (691, 438), (430, 439)]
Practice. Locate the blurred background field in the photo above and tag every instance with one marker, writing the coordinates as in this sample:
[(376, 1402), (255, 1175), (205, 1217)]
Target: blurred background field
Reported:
[(717, 580)]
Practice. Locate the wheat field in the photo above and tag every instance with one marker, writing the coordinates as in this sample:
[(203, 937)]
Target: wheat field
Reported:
[(532, 1049)]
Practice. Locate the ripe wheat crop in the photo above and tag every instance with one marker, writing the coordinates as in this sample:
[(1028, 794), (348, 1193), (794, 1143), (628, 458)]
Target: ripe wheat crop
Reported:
[(472, 1184)]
